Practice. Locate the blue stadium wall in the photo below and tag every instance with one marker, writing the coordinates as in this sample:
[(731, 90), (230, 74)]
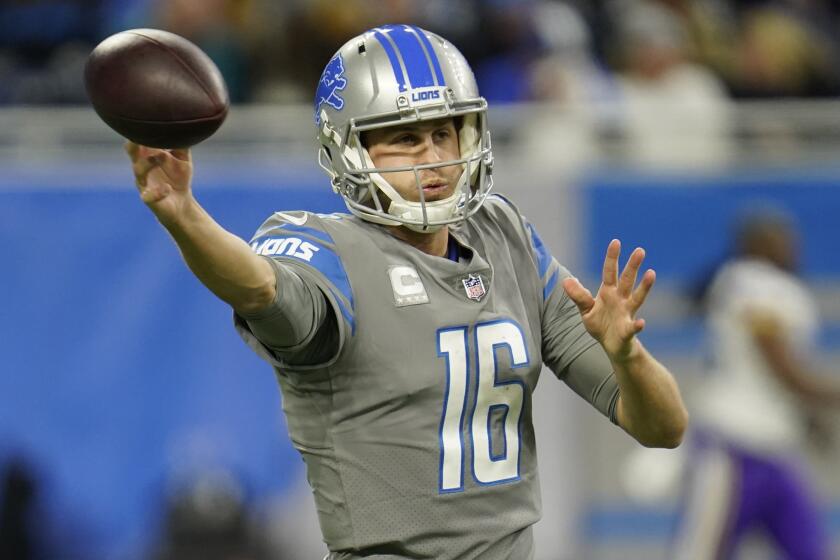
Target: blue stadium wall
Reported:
[(116, 361)]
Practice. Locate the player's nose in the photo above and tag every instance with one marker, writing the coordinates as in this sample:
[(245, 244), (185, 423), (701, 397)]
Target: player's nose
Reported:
[(432, 152)]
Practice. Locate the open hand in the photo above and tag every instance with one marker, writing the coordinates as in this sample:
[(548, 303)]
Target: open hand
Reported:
[(610, 316)]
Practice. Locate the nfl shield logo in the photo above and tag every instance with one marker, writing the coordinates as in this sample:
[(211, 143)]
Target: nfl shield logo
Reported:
[(474, 286)]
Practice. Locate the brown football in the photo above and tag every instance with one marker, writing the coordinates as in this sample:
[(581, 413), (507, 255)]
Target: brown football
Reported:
[(156, 88)]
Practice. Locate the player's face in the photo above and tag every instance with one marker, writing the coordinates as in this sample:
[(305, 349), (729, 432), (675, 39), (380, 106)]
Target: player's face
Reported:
[(417, 144), (782, 248)]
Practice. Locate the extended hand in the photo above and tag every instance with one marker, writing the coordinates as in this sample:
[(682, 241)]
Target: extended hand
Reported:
[(610, 316), (163, 178)]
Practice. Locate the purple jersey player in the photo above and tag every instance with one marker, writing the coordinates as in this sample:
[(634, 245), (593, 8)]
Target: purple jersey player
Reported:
[(746, 474)]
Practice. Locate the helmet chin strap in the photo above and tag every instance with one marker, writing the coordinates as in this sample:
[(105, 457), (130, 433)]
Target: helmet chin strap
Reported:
[(436, 211), (403, 210)]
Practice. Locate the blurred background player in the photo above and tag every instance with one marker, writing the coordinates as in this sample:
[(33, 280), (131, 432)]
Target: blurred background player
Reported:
[(751, 416), (408, 336)]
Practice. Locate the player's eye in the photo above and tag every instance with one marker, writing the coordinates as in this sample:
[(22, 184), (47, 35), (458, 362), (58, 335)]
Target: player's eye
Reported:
[(442, 134), (407, 139)]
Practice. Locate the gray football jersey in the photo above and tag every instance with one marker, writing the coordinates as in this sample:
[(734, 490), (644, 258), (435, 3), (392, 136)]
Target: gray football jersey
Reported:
[(416, 429)]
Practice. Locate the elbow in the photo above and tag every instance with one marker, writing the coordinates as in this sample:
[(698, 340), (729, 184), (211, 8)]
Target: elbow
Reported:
[(256, 299), (665, 429), (670, 434), (670, 441), (679, 430), (662, 441)]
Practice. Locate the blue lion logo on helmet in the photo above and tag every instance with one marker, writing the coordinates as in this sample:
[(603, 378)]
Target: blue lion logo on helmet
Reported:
[(331, 83)]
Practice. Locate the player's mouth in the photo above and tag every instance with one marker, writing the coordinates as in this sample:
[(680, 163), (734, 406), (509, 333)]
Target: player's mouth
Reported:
[(434, 189)]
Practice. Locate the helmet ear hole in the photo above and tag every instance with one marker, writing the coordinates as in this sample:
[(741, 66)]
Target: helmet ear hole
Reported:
[(459, 122)]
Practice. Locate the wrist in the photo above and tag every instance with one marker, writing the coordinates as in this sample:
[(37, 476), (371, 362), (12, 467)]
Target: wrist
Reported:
[(188, 213), (629, 353)]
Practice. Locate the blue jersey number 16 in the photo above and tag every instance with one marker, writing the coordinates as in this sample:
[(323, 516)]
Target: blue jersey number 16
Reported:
[(492, 397)]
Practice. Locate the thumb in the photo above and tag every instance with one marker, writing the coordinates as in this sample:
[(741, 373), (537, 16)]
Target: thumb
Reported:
[(578, 294)]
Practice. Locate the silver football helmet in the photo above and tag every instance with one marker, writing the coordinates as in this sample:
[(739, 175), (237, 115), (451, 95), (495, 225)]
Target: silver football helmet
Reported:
[(392, 75)]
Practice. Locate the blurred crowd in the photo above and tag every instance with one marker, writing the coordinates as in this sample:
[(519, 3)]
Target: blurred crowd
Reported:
[(206, 516), (521, 50)]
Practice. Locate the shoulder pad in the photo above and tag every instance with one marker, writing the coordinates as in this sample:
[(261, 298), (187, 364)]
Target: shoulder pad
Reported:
[(301, 239)]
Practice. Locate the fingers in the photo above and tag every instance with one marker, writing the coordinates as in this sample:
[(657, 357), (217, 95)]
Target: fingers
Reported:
[(610, 274), (142, 167), (631, 272), (182, 154), (578, 294), (637, 299), (131, 149), (136, 151), (638, 326), (145, 160)]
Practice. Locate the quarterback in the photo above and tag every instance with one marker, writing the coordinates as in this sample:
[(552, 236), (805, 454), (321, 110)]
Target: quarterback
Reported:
[(408, 334)]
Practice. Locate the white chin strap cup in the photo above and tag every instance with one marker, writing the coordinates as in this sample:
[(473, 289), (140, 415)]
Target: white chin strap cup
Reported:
[(437, 211), (405, 211)]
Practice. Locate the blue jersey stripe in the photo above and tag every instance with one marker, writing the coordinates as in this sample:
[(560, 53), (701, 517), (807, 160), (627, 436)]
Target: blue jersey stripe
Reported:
[(347, 315), (543, 256), (414, 57), (432, 55), (313, 254), (549, 285), (392, 56)]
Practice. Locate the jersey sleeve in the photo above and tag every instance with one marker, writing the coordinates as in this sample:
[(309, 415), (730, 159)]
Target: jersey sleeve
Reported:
[(573, 355), (298, 326), (313, 314), (567, 348)]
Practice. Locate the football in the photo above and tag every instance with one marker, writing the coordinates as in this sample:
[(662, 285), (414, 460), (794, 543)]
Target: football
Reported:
[(156, 88)]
